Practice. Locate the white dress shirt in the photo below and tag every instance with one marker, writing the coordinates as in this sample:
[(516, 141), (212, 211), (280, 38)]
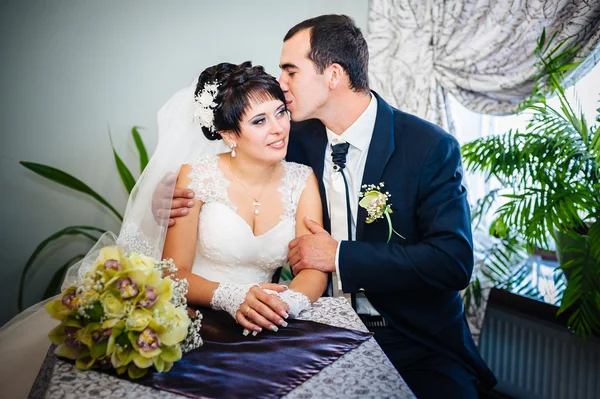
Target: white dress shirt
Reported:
[(358, 135)]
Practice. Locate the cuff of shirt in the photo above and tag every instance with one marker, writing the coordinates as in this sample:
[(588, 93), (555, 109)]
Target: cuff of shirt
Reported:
[(337, 266)]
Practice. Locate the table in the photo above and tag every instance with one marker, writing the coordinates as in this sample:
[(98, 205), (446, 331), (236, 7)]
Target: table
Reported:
[(364, 372)]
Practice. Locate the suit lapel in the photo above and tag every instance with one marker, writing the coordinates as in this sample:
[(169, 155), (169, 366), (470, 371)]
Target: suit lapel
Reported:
[(316, 142), (380, 151)]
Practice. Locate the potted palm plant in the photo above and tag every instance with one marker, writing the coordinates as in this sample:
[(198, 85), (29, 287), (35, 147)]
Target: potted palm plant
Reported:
[(550, 179)]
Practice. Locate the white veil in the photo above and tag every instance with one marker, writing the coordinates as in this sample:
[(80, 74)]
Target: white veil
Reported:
[(180, 140)]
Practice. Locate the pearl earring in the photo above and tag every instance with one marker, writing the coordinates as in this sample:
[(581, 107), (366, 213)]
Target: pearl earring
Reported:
[(233, 154)]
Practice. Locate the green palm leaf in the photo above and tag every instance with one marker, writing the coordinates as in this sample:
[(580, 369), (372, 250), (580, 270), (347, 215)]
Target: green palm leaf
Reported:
[(126, 176), (550, 178), (139, 143), (65, 179), (67, 231)]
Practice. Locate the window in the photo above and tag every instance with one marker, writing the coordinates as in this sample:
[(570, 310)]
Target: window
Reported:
[(471, 125)]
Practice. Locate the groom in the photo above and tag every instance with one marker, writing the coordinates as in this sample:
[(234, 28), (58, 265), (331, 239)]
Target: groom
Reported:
[(410, 286), (351, 137)]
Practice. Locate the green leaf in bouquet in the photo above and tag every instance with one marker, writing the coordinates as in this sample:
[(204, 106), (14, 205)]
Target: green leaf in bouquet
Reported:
[(116, 331), (57, 335), (142, 362), (70, 353), (159, 364), (171, 353), (84, 362), (72, 322), (121, 370), (99, 349), (112, 323), (96, 312), (122, 357), (135, 372), (65, 179), (126, 176), (122, 340), (168, 366)]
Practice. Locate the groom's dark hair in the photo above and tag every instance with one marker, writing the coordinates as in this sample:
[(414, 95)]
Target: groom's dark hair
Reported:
[(337, 39)]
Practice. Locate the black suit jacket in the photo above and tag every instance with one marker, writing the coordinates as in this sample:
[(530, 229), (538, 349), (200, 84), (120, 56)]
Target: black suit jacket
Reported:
[(414, 282)]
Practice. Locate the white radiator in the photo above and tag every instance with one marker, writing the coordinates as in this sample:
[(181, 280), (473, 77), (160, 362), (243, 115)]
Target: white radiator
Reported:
[(533, 358)]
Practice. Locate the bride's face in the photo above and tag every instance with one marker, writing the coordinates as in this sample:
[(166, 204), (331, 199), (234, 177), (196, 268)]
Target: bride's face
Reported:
[(264, 132)]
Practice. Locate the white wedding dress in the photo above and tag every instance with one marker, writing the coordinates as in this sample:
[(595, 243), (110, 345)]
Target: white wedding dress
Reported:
[(227, 251)]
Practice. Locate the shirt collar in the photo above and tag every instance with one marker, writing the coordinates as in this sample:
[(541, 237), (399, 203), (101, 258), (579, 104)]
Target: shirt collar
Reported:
[(359, 133)]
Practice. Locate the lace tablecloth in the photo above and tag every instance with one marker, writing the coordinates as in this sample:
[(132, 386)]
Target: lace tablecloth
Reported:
[(365, 372)]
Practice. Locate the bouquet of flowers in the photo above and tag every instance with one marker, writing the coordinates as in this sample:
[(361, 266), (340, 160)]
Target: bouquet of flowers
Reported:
[(127, 313)]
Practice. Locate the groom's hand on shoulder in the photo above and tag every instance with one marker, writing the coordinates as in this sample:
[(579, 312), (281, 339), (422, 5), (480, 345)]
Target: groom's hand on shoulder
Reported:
[(313, 251), (177, 204)]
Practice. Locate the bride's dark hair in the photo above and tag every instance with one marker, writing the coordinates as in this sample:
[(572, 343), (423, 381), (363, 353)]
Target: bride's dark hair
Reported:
[(239, 85)]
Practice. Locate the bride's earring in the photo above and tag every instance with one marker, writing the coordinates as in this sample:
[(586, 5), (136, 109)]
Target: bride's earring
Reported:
[(233, 154)]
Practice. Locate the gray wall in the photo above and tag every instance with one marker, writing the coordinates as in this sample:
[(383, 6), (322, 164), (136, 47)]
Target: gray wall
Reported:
[(72, 69)]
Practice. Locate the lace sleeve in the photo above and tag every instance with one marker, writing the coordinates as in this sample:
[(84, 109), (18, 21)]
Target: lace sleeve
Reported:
[(206, 180), (295, 179)]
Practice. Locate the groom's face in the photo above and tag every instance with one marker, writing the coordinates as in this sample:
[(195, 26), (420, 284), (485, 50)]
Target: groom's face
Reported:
[(306, 91)]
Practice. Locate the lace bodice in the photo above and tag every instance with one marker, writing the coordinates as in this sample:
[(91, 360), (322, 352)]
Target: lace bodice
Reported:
[(227, 249)]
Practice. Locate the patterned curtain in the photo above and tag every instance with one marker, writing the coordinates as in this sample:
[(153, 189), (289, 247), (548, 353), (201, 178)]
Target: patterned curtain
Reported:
[(480, 51)]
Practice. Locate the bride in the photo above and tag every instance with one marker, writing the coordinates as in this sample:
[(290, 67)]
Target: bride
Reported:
[(250, 203), (225, 137)]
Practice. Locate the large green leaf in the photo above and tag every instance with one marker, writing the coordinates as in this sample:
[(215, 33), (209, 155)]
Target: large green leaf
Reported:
[(139, 143), (65, 179), (67, 231), (126, 176)]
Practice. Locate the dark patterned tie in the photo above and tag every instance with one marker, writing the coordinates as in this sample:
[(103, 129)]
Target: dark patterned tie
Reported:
[(338, 156)]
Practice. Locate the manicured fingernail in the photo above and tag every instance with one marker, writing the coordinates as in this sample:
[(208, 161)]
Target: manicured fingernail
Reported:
[(246, 332), (284, 314), (255, 333), (191, 195), (274, 328), (191, 203), (283, 323), (184, 211)]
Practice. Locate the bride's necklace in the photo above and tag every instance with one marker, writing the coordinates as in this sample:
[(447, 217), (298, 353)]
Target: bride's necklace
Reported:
[(256, 202)]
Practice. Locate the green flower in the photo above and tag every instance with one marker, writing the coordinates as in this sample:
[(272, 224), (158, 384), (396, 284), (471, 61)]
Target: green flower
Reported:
[(64, 307), (138, 320), (114, 307), (128, 288), (108, 259), (177, 325)]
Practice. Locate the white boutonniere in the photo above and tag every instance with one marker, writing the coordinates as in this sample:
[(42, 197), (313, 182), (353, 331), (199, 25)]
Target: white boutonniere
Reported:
[(375, 202)]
